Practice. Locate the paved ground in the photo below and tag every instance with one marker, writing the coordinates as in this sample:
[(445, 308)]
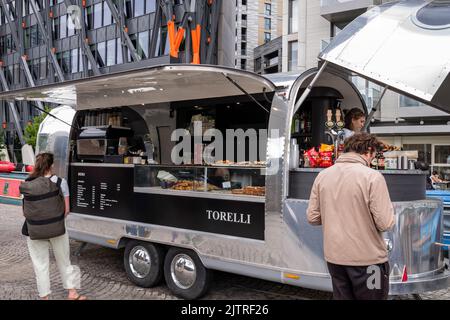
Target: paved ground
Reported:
[(103, 274)]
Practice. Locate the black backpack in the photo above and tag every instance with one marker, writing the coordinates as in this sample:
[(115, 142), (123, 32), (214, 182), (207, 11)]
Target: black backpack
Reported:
[(43, 208)]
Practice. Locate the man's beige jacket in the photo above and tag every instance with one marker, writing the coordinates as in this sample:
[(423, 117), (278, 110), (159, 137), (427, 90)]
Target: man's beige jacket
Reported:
[(352, 203)]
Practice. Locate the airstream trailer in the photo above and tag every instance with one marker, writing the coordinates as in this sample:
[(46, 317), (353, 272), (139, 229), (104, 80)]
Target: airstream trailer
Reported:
[(179, 221)]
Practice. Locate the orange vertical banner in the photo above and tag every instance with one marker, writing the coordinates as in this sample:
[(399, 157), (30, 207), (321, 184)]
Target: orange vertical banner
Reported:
[(196, 45), (174, 38)]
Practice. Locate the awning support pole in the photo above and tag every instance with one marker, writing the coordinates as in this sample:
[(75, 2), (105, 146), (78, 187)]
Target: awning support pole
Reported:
[(245, 92), (309, 88), (374, 109)]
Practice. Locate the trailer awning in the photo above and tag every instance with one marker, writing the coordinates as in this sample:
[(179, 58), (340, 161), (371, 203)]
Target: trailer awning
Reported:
[(404, 45), (146, 86)]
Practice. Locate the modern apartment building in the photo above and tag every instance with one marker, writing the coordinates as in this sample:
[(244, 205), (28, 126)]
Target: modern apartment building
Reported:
[(48, 41), (257, 22), (309, 25)]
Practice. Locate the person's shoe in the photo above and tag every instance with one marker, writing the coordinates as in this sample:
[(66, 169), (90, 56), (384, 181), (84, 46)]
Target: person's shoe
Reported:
[(77, 297)]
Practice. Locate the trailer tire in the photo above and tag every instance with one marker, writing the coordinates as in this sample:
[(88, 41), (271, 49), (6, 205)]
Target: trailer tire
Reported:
[(185, 274), (143, 263)]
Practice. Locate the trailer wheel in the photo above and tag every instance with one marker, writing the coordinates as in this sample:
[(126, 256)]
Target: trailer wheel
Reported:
[(143, 263), (185, 274)]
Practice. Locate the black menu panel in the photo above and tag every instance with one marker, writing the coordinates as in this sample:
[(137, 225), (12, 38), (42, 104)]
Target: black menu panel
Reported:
[(102, 191)]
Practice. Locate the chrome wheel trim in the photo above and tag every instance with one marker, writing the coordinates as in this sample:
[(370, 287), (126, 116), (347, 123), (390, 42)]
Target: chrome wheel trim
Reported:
[(183, 271), (140, 262)]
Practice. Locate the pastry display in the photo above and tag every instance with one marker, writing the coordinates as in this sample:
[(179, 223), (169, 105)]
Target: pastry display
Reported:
[(250, 191), (240, 164), (193, 185)]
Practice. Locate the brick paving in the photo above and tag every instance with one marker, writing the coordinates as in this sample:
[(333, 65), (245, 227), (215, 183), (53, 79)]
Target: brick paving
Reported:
[(103, 274)]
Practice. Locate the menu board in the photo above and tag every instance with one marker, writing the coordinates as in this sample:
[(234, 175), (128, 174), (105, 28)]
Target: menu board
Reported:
[(101, 190)]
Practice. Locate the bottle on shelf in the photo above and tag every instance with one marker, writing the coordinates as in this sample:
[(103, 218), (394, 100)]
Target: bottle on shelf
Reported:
[(296, 124), (381, 161)]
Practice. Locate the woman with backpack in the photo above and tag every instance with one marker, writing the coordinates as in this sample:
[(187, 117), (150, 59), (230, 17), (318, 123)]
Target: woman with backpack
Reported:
[(45, 206)]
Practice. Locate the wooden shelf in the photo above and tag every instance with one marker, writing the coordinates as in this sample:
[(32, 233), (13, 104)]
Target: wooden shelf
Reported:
[(301, 135)]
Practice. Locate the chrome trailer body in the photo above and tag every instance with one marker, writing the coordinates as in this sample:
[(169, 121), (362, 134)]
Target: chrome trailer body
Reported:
[(292, 250)]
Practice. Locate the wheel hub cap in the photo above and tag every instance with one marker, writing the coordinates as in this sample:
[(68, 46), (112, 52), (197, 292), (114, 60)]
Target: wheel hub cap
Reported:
[(140, 262), (183, 271)]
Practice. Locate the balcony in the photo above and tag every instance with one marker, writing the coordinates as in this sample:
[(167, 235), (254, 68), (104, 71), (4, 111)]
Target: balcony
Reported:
[(338, 11)]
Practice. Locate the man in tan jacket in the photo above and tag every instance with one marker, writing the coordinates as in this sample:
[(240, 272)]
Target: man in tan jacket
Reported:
[(351, 201)]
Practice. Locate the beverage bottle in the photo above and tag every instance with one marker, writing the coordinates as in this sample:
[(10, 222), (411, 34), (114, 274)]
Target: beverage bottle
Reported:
[(296, 124), (381, 162)]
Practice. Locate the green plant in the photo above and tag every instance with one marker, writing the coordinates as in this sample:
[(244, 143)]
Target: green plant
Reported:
[(2, 145), (31, 130)]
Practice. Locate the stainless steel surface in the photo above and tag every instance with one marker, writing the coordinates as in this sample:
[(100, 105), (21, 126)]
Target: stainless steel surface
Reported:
[(112, 165), (418, 227), (385, 45), (165, 83), (140, 262), (53, 136), (200, 194), (384, 172), (183, 271), (291, 245)]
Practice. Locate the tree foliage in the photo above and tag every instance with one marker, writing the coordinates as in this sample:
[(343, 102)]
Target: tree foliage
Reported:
[(31, 130)]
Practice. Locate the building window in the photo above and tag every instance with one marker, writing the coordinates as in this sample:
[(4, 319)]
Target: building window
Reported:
[(257, 64), (293, 16), (111, 52), (267, 37), (34, 36), (244, 2), (107, 16), (56, 28), (70, 26), (33, 65), (244, 20), (63, 26), (292, 55), (150, 6), (442, 154), (101, 54), (243, 64), (267, 24), (267, 9), (243, 48), (139, 8), (90, 17), (129, 8), (27, 38), (43, 68), (16, 73), (98, 13), (142, 48), (66, 62), (423, 149), (406, 102), (243, 34), (119, 51), (75, 60)]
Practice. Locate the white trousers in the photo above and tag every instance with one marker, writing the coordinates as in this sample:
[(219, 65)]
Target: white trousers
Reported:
[(40, 257)]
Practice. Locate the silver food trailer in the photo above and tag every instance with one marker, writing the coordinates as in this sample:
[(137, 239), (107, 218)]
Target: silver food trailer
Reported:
[(180, 221)]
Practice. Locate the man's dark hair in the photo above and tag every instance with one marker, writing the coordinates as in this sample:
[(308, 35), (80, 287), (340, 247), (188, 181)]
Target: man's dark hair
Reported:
[(435, 172), (363, 143)]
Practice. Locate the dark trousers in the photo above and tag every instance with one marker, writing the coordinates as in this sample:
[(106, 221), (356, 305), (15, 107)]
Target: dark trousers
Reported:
[(360, 282)]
